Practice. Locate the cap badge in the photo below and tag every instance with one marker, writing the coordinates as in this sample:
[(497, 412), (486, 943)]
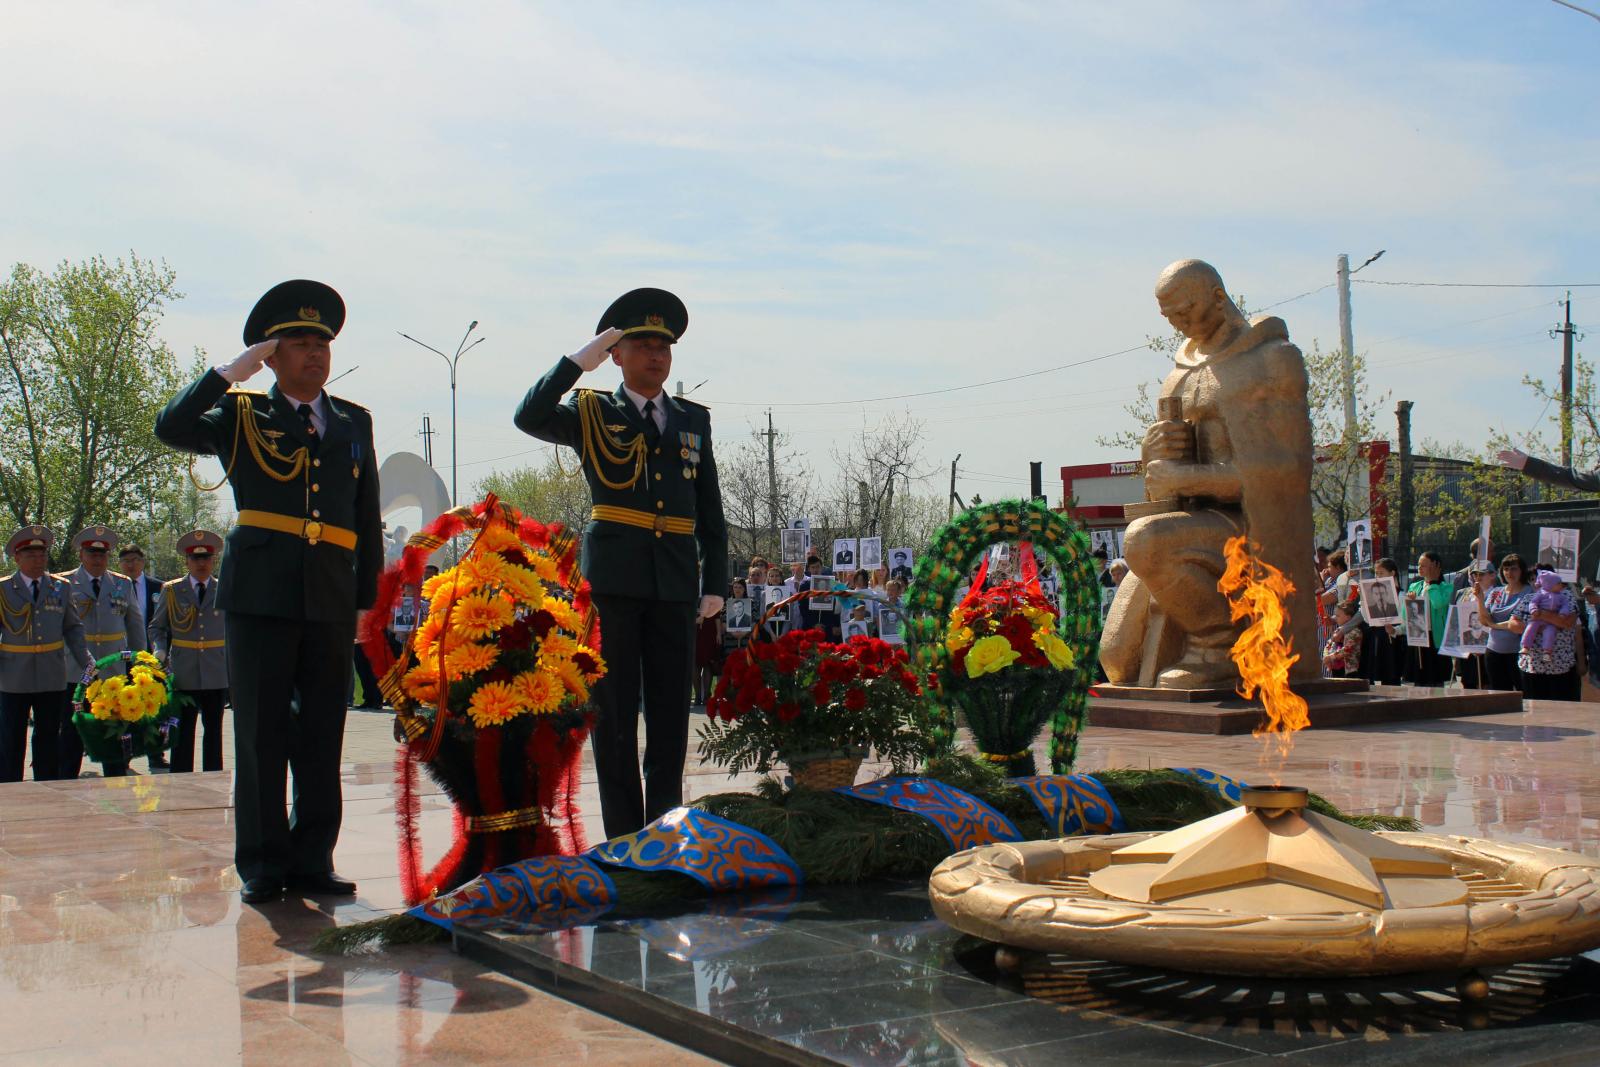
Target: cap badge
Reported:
[(654, 320), (311, 314)]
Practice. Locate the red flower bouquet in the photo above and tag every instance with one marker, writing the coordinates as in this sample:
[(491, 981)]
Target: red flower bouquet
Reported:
[(800, 699)]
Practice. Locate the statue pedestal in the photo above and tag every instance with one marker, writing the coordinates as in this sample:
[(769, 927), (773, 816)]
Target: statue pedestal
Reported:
[(1206, 712)]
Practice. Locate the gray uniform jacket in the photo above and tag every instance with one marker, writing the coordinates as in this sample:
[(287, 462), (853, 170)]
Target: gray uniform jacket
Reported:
[(35, 634), (189, 637), (112, 623)]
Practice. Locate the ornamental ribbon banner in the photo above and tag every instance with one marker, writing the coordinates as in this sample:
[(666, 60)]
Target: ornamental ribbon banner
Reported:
[(1073, 804), (965, 821), (546, 892), (720, 854)]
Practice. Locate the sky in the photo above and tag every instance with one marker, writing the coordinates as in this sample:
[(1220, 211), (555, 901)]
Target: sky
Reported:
[(857, 202)]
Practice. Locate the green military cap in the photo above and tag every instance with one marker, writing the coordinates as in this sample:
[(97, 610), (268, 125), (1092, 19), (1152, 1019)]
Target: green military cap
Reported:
[(101, 538), (30, 537), (199, 543), (300, 304), (646, 311)]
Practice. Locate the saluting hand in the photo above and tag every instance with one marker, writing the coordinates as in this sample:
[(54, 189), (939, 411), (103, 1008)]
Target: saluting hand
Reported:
[(591, 355), (249, 361)]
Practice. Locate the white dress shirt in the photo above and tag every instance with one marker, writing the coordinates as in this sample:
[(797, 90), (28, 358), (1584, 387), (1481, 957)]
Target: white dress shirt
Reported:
[(660, 411), (319, 411)]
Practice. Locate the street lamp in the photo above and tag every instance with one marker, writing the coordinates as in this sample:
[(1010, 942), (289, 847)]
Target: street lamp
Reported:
[(450, 361)]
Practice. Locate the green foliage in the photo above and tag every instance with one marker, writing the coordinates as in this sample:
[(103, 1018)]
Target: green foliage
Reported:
[(83, 374), (554, 491)]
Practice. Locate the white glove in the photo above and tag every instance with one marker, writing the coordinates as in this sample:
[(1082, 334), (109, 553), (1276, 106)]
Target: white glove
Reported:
[(1512, 458), (709, 606), (591, 355), (249, 361)]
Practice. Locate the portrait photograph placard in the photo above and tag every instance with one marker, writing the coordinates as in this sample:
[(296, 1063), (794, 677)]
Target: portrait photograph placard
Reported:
[(1358, 551), (741, 615), (871, 553), (856, 628), (890, 629), (821, 603), (1419, 622), (1380, 601), (901, 563), (792, 545), (1451, 645), (1471, 634), (775, 595), (845, 554), (1558, 548)]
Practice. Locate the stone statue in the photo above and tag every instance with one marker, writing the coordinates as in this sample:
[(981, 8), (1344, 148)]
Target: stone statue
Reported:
[(1230, 453)]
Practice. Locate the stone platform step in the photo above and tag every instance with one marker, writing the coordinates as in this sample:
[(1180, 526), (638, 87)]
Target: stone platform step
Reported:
[(1233, 715)]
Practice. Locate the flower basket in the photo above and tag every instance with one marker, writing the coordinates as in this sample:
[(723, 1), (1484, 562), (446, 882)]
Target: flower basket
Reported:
[(125, 706), (816, 705), (491, 691)]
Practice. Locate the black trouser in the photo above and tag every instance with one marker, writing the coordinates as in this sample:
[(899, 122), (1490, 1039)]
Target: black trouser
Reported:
[(1568, 686), (288, 679), (657, 636), (1424, 666), (48, 708), (371, 696), (1503, 673), (70, 747), (206, 710)]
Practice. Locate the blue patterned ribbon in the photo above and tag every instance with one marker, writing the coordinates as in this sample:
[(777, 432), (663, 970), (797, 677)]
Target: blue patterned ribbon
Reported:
[(1228, 788), (964, 820), (1073, 804), (549, 892), (721, 855)]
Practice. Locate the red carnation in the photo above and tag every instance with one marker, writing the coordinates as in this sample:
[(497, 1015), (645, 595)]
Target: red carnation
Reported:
[(788, 711), (855, 699), (787, 662), (821, 694), (516, 637), (541, 622), (766, 697)]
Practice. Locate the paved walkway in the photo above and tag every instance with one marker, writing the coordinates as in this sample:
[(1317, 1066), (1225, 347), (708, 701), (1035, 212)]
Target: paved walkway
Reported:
[(122, 938)]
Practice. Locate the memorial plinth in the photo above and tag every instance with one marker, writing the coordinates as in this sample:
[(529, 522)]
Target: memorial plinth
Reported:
[(1333, 703)]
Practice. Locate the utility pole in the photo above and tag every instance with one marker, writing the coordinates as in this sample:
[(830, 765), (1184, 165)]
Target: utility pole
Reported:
[(950, 510), (1036, 480), (426, 433), (1408, 503), (1347, 346), (451, 361), (772, 479), (1567, 334)]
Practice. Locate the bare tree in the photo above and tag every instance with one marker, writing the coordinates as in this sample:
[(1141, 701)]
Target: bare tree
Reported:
[(746, 491)]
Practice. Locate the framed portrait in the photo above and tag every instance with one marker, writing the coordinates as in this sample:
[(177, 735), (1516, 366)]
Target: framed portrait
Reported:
[(901, 564), (856, 628), (821, 603), (775, 595), (871, 553), (1419, 623), (792, 547), (1380, 601), (845, 554), (1358, 545), (1471, 633), (891, 630), (1558, 548), (741, 615)]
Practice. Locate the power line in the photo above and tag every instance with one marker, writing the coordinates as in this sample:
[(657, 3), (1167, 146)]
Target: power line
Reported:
[(1482, 285), (1292, 299)]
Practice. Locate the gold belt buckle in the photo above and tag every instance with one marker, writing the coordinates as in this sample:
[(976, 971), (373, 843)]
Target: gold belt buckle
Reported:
[(313, 531), (660, 525)]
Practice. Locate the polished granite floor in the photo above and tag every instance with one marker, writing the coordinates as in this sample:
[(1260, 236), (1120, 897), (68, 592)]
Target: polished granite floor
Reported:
[(122, 938)]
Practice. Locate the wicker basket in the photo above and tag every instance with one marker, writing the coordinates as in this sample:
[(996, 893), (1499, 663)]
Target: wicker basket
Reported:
[(827, 772)]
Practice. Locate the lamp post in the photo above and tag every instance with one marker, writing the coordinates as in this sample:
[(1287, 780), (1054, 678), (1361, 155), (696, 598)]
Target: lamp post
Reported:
[(450, 361)]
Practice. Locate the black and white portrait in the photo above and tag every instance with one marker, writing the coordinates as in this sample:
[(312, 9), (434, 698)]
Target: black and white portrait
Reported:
[(1380, 601), (900, 561), (1474, 636), (871, 553), (844, 555), (821, 581), (741, 615), (1558, 549), (890, 629), (856, 628), (1359, 548), (793, 546), (775, 595), (1419, 623)]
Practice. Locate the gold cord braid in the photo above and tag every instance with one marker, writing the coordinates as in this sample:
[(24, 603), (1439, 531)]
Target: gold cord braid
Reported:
[(7, 613), (599, 445), (181, 623), (299, 460)]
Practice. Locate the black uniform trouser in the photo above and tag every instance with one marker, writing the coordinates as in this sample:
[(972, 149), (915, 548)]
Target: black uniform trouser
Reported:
[(70, 746), (206, 710), (657, 636), (48, 708), (288, 679)]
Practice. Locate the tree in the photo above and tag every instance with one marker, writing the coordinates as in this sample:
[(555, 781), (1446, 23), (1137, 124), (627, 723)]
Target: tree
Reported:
[(553, 491), (747, 491), (1340, 490), (880, 458), (82, 377)]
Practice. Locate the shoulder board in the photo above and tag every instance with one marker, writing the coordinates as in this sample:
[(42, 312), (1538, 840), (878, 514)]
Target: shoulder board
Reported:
[(63, 575), (119, 574), (692, 403), (174, 582), (351, 404), (236, 391)]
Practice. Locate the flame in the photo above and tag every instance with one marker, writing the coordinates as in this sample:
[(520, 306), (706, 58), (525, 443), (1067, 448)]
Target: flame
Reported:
[(1257, 591)]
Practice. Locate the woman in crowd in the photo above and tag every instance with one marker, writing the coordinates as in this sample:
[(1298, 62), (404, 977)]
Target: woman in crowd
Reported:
[(1341, 657), (1500, 604), (1423, 665), (708, 637), (1552, 676), (1474, 669), (738, 589)]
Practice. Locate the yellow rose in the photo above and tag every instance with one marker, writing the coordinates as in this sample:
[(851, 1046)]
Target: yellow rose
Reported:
[(1055, 650), (989, 654)]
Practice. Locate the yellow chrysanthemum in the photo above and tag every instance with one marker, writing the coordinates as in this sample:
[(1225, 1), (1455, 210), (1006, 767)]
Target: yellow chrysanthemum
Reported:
[(479, 615), (599, 663), (421, 684), (439, 585), (91, 690), (129, 704), (427, 635), (523, 584), (989, 654), (958, 638), (139, 674), (539, 692), (562, 612), (493, 703), (146, 659), (101, 709), (1055, 650), (497, 538), (470, 659), (570, 676), (545, 567), (557, 645), (114, 685), (958, 618), (485, 568)]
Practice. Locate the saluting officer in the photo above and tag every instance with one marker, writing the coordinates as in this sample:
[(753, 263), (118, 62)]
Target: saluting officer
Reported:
[(304, 556), (186, 631), (656, 545), (36, 623), (104, 602)]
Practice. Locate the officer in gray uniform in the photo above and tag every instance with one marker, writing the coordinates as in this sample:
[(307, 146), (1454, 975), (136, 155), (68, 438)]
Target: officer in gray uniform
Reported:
[(104, 602), (37, 625), (186, 633)]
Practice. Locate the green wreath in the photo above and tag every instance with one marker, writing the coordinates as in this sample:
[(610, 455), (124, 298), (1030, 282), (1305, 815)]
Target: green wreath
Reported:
[(114, 740), (954, 551)]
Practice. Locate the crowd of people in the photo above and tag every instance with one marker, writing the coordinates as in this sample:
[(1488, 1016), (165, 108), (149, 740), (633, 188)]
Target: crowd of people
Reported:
[(1508, 598)]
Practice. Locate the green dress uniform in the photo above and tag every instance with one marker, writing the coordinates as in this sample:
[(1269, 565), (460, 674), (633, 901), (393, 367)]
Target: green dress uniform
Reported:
[(186, 632), (35, 625), (656, 541), (303, 557)]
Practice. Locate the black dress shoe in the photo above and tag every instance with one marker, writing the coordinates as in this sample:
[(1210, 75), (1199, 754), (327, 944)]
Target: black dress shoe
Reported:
[(259, 890), (323, 882)]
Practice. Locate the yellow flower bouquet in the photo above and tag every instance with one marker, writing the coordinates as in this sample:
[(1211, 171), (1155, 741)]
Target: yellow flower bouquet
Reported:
[(125, 706)]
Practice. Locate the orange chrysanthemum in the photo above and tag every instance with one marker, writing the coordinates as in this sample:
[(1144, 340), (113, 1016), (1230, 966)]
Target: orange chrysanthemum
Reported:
[(557, 645), (540, 692), (478, 616), (426, 639), (523, 584), (498, 538), (571, 677), (421, 684), (470, 659), (493, 703), (485, 568), (545, 567)]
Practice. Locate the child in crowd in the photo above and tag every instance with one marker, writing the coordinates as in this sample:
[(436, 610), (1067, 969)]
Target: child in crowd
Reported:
[(859, 622), (1342, 655)]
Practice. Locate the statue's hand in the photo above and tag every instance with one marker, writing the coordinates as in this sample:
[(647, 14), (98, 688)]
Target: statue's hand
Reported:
[(1160, 479), (1168, 439)]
